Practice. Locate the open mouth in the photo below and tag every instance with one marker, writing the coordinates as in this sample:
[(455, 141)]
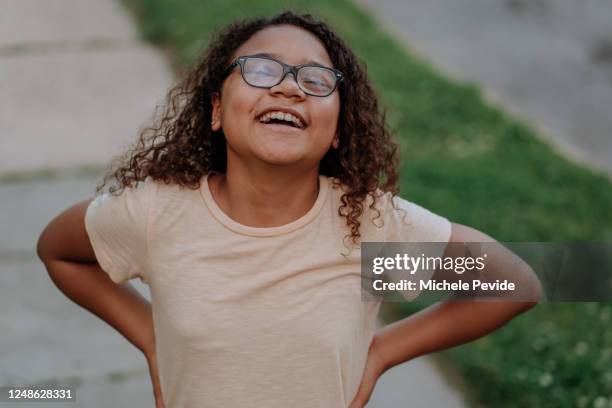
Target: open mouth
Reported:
[(281, 120), (280, 125)]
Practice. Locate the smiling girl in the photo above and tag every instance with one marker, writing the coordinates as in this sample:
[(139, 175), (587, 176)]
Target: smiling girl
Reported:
[(243, 209)]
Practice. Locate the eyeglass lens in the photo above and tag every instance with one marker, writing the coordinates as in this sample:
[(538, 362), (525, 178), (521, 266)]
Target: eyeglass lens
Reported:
[(267, 73)]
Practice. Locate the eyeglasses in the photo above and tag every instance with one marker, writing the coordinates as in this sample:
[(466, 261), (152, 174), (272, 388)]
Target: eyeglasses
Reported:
[(264, 72)]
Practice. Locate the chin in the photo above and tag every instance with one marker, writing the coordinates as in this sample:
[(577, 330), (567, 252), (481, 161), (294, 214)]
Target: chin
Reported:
[(280, 156), (280, 160)]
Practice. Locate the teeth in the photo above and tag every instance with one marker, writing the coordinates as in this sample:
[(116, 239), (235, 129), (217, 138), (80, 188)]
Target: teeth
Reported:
[(281, 116)]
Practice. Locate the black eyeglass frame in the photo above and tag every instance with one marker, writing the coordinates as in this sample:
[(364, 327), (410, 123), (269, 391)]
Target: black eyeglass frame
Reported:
[(293, 69)]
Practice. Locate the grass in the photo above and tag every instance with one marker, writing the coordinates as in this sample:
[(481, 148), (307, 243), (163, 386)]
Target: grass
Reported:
[(475, 165)]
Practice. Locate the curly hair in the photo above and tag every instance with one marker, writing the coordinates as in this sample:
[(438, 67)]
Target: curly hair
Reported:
[(180, 147)]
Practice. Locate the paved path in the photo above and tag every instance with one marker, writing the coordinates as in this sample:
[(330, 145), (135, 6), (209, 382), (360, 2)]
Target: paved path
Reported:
[(547, 61), (75, 83), (415, 384), (75, 86), (50, 339)]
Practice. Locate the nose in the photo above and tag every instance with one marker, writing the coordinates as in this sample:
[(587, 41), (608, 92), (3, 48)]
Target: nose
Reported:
[(289, 87)]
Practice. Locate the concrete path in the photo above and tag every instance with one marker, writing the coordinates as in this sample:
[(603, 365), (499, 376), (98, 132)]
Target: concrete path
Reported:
[(75, 86), (415, 384), (75, 83), (50, 339), (547, 61)]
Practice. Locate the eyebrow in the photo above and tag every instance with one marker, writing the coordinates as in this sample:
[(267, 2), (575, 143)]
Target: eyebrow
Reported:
[(276, 56)]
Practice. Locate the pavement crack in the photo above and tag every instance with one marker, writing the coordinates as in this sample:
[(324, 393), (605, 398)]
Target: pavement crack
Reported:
[(59, 47), (112, 377), (17, 256)]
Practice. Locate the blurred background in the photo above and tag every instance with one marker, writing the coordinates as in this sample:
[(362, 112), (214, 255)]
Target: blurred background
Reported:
[(503, 110)]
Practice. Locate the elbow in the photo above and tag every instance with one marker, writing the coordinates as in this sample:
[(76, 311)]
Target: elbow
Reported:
[(41, 247), (528, 305), (533, 293)]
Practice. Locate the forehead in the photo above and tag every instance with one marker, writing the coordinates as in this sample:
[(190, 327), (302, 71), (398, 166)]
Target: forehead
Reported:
[(290, 44)]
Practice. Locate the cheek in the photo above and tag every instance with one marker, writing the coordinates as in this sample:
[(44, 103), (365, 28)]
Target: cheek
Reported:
[(236, 119), (236, 111), (237, 103), (327, 115)]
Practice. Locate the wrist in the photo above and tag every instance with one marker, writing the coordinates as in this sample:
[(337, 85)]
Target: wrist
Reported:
[(149, 351), (381, 364)]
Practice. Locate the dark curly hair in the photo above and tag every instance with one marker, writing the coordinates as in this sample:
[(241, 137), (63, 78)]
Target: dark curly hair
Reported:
[(180, 147)]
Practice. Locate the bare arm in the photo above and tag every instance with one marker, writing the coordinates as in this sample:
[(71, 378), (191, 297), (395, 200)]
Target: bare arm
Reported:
[(452, 323), (66, 251)]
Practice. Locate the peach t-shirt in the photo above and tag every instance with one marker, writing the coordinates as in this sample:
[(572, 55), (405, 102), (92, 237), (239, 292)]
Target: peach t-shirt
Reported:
[(246, 316)]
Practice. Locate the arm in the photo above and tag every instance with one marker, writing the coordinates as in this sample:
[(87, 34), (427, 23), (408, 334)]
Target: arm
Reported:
[(65, 249), (448, 324)]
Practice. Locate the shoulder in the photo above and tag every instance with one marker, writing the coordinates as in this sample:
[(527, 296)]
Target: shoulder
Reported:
[(169, 198), (388, 217), (375, 203), (150, 196), (411, 222), (375, 207)]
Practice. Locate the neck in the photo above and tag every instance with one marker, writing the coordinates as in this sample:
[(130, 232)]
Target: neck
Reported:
[(265, 197)]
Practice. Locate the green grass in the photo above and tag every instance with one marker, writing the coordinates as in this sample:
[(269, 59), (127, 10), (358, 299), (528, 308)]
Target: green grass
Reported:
[(558, 355), (475, 165)]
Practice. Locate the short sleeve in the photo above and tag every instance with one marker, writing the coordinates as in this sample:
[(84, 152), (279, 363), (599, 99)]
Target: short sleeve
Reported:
[(117, 226), (412, 223)]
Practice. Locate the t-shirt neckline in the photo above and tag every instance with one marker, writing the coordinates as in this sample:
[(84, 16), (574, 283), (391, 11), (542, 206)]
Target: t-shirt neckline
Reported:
[(239, 228)]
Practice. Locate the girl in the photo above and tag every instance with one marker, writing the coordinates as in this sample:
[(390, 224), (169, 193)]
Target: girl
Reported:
[(243, 210)]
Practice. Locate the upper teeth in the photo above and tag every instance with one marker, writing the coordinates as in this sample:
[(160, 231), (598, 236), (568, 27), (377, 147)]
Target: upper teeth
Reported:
[(281, 116)]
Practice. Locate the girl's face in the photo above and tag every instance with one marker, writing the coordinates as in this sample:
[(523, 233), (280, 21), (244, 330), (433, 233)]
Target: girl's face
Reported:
[(240, 106)]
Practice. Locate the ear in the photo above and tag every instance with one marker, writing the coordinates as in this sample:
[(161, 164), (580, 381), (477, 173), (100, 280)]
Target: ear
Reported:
[(336, 141), (215, 101)]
